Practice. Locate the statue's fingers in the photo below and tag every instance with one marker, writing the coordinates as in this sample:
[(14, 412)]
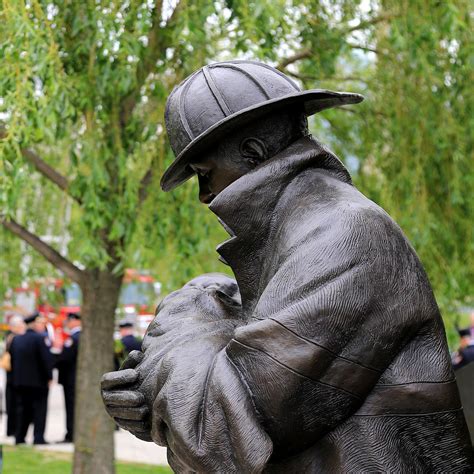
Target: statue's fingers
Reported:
[(129, 413), (134, 426), (133, 359), (118, 378), (123, 398)]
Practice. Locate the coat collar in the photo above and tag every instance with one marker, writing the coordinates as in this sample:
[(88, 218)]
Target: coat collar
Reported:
[(246, 209)]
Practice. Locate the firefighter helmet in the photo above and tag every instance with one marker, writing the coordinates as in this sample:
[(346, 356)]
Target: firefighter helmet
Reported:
[(219, 97)]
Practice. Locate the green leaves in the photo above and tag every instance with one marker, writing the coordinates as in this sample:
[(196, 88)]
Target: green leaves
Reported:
[(421, 104), (85, 84)]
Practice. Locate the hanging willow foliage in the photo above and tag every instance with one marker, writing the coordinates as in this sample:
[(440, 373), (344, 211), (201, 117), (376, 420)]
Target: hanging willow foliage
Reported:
[(85, 85), (424, 108)]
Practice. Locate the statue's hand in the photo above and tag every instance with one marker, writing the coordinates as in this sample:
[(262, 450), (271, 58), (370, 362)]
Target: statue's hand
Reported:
[(123, 402)]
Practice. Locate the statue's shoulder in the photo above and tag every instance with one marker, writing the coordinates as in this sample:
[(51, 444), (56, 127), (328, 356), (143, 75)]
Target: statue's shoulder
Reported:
[(321, 210)]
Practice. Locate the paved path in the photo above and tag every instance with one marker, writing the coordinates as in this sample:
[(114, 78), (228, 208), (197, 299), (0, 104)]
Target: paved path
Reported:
[(127, 447)]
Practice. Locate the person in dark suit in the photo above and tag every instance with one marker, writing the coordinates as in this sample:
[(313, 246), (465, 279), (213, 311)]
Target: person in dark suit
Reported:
[(17, 327), (67, 365), (126, 344), (129, 341), (32, 373), (465, 354)]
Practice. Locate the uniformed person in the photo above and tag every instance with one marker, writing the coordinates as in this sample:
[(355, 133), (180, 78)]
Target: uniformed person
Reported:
[(67, 365), (32, 374), (17, 327), (126, 343), (129, 341), (465, 353)]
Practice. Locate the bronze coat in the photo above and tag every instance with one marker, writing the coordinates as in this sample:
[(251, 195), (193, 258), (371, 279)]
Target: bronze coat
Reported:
[(336, 361)]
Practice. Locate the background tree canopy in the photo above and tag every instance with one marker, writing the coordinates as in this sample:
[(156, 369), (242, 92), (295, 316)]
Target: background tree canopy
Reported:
[(83, 87), (73, 73)]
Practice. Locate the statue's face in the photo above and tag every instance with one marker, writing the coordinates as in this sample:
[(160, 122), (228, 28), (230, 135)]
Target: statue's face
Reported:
[(243, 150), (217, 169)]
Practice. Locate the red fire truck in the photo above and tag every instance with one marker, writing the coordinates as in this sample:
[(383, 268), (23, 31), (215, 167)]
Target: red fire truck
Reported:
[(53, 298)]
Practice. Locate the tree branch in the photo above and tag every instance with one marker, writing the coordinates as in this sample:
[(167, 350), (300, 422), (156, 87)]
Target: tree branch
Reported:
[(50, 254), (306, 53), (305, 77), (364, 48), (47, 171), (373, 21)]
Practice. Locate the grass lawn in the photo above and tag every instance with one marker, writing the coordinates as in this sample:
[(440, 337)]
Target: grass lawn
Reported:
[(27, 460)]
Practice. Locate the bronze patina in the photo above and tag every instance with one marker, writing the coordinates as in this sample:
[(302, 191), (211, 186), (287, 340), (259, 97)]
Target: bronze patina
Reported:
[(327, 353)]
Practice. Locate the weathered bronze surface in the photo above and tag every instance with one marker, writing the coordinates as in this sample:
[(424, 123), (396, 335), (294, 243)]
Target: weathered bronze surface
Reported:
[(327, 352)]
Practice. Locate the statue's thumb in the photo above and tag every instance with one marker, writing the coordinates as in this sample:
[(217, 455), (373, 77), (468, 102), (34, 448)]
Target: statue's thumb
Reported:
[(133, 359)]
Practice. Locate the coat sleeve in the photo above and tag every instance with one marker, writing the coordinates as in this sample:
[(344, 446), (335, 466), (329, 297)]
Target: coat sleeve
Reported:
[(338, 308), (201, 409), (45, 357)]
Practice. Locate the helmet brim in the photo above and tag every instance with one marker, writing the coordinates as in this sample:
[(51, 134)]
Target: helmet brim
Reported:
[(312, 102)]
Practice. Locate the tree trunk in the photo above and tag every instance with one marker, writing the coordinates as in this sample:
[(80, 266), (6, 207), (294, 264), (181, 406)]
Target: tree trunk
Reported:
[(93, 429)]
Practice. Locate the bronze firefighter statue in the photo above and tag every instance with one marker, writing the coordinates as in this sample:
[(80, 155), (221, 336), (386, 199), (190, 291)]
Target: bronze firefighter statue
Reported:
[(327, 353)]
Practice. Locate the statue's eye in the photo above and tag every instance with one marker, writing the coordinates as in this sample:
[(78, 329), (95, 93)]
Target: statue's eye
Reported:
[(200, 171)]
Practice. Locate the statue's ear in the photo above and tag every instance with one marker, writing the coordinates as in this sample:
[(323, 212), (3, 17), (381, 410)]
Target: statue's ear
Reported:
[(254, 149)]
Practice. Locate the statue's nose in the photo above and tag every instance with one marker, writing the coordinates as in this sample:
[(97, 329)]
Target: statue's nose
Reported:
[(205, 194)]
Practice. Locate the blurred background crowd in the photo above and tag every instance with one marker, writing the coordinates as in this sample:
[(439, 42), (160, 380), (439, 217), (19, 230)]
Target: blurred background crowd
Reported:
[(37, 353)]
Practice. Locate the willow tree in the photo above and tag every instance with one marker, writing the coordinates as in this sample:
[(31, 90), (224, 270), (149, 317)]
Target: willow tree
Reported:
[(423, 100), (83, 87), (74, 82)]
